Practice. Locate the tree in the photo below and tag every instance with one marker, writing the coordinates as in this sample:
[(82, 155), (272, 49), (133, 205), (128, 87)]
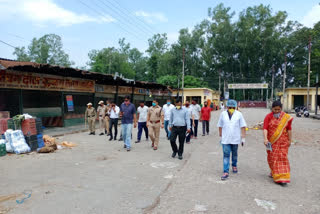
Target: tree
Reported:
[(47, 49)]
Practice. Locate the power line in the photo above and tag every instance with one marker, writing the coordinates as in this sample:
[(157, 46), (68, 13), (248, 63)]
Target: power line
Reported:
[(103, 15), (129, 18), (120, 13), (7, 44), (132, 14)]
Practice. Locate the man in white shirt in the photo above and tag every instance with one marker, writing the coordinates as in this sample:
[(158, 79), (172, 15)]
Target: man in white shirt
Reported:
[(114, 117), (232, 130), (167, 112), (196, 109), (142, 120)]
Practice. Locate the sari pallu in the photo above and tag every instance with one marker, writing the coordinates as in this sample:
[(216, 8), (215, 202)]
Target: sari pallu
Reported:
[(278, 157)]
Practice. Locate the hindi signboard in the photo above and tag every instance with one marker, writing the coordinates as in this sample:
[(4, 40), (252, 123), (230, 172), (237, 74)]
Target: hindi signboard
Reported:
[(248, 86), (35, 81)]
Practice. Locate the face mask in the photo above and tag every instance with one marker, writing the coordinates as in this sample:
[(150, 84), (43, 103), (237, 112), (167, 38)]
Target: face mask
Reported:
[(276, 115), (178, 107), (154, 104), (193, 103), (205, 105), (187, 105), (168, 103), (231, 110), (141, 106)]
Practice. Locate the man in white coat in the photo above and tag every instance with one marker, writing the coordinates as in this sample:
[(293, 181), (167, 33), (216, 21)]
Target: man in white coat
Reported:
[(232, 130)]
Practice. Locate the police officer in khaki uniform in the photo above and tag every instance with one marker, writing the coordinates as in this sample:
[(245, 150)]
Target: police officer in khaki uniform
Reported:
[(102, 114), (91, 116), (107, 118), (154, 122)]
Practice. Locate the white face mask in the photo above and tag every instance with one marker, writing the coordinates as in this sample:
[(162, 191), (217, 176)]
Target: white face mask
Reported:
[(276, 115)]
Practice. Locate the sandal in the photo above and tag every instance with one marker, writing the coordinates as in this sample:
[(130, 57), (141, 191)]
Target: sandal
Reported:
[(225, 176), (234, 169)]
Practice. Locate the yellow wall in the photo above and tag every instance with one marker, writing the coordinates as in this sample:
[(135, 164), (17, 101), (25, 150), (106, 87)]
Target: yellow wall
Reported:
[(212, 95), (288, 103)]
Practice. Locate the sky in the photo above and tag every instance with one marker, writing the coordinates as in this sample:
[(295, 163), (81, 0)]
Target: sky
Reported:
[(85, 25)]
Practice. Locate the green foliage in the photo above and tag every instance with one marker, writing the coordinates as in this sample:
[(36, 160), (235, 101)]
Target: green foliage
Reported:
[(47, 49)]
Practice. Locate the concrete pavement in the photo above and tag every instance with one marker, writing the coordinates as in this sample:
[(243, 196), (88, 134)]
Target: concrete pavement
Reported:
[(99, 176)]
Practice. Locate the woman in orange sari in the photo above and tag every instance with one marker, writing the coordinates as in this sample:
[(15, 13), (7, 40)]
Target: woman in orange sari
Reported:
[(278, 131)]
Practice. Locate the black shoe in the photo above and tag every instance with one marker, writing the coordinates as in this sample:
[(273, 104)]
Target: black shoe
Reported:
[(128, 149), (115, 138), (90, 133), (111, 138), (203, 135), (120, 139), (101, 134), (138, 141), (180, 157), (173, 154), (124, 146), (93, 133)]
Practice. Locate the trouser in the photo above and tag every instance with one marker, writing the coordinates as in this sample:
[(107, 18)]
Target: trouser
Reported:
[(175, 132), (166, 124), (154, 133), (113, 122), (227, 149), (126, 134), (102, 124), (142, 126), (194, 130), (107, 121), (205, 127), (189, 136), (91, 124)]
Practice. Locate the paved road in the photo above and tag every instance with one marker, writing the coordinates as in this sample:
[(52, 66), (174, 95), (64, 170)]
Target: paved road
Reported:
[(99, 176)]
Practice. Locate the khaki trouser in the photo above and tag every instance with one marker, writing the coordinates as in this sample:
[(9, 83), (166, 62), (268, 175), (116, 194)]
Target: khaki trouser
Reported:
[(102, 124), (107, 122), (154, 133), (91, 124)]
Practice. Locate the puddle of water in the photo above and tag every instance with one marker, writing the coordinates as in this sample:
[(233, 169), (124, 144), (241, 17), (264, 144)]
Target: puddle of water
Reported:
[(266, 204)]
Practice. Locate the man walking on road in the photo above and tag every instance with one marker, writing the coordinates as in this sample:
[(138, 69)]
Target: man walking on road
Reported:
[(114, 117), (102, 114), (232, 130), (154, 121), (128, 113), (191, 117), (142, 120), (196, 109), (179, 124), (107, 118), (90, 116), (205, 117), (167, 111)]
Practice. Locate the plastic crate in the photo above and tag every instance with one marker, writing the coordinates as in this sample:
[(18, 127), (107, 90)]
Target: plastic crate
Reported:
[(39, 125), (32, 142), (3, 150), (28, 127), (40, 141)]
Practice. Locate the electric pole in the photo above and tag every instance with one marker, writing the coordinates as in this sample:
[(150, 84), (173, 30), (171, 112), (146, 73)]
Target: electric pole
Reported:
[(272, 83), (183, 74), (309, 72), (220, 82), (284, 78)]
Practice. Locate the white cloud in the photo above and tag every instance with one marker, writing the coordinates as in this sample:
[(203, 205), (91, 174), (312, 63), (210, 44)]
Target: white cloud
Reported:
[(152, 17), (312, 17), (43, 12)]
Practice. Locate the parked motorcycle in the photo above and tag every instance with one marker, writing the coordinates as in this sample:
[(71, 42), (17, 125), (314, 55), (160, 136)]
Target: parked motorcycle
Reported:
[(301, 110)]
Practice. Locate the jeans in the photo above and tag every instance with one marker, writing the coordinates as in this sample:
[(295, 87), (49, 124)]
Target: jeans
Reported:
[(113, 122), (195, 132), (142, 126), (227, 149), (205, 127), (181, 132), (126, 134), (166, 124)]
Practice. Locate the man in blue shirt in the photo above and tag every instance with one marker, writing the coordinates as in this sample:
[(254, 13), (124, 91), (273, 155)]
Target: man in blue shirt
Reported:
[(179, 124), (128, 113)]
